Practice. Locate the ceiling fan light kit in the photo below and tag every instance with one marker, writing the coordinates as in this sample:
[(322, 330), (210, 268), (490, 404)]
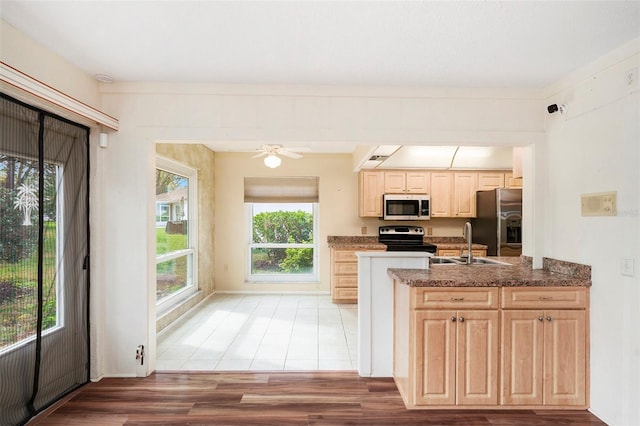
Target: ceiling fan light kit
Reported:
[(272, 151), (272, 161)]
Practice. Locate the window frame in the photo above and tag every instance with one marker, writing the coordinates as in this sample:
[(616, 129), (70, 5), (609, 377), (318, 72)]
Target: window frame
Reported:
[(286, 277), (191, 252)]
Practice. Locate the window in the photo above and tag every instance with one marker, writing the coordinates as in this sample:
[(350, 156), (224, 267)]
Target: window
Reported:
[(19, 249), (283, 233), (176, 232)]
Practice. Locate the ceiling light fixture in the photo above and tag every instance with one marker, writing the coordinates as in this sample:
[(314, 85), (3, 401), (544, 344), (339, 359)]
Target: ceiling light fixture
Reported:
[(272, 161)]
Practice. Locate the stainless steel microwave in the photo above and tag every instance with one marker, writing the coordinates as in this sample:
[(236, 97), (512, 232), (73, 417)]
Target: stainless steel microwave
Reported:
[(406, 207)]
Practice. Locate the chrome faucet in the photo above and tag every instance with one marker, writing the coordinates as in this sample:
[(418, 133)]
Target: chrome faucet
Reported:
[(466, 233)]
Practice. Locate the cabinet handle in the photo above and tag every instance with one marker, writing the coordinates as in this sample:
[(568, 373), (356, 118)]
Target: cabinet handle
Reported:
[(461, 319), (540, 318), (457, 299), (453, 319), (549, 318), (546, 298)]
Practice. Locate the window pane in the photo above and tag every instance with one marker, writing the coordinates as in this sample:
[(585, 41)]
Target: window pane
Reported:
[(282, 261), (172, 276), (19, 222), (283, 223), (172, 208)]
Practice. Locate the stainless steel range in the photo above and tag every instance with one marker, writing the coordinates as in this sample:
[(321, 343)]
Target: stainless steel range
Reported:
[(404, 238)]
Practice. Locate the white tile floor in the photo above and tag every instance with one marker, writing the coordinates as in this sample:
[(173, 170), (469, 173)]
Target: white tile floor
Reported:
[(262, 333)]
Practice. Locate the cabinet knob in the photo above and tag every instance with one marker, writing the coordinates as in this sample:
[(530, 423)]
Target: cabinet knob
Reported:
[(453, 319), (549, 318), (540, 318), (461, 319)]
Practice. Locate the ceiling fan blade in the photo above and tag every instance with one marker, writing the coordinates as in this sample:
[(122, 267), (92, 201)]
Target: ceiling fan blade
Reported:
[(289, 154), (260, 154)]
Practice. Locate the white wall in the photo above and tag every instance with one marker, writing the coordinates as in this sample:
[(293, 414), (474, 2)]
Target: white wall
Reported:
[(595, 147)]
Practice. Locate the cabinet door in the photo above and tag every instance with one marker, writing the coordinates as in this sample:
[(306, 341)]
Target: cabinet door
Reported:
[(490, 180), (370, 194), (448, 252), (511, 182), (522, 357), (564, 357), (441, 194), (464, 199), (418, 182), (395, 182), (435, 349), (477, 358)]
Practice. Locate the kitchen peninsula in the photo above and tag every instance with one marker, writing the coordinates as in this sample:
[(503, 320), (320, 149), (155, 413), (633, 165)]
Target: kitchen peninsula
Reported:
[(492, 336)]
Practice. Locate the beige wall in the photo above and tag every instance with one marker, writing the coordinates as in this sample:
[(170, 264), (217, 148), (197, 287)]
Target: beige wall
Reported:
[(202, 159), (338, 214)]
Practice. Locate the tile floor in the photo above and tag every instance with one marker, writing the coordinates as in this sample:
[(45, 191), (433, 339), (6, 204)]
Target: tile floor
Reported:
[(262, 333)]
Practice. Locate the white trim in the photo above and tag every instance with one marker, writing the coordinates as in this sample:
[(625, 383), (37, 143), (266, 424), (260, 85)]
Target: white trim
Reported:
[(174, 255), (22, 81)]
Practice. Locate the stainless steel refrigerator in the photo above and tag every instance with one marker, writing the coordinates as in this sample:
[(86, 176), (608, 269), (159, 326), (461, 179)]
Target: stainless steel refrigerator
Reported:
[(498, 222)]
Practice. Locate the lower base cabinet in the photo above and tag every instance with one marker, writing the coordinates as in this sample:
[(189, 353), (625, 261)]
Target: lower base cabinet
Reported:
[(344, 274), (491, 348)]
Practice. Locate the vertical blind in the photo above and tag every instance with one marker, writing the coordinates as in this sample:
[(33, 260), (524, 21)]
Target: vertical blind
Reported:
[(44, 243)]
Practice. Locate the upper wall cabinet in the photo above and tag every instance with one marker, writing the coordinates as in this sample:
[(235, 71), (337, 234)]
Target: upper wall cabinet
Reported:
[(406, 182), (452, 194), (370, 191), (465, 186), (490, 180)]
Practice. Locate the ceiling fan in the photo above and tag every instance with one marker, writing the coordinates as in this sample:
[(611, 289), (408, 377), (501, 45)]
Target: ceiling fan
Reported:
[(272, 151)]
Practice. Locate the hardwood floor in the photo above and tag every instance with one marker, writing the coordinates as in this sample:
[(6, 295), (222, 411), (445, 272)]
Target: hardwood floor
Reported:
[(311, 398)]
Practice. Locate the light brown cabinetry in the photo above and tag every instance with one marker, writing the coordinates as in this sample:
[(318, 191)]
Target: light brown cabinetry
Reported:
[(441, 194), (490, 180), (452, 194), (406, 182), (464, 196), (344, 275), (514, 347), (512, 182), (453, 351), (459, 252), (544, 343), (370, 192)]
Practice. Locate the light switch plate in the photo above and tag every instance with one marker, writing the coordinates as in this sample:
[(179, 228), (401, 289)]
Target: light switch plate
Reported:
[(599, 204)]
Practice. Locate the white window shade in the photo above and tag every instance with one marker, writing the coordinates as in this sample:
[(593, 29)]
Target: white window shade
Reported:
[(281, 189)]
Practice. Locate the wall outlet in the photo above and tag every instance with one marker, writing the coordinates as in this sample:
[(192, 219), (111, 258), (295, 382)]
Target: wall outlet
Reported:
[(363, 230), (626, 266), (429, 231)]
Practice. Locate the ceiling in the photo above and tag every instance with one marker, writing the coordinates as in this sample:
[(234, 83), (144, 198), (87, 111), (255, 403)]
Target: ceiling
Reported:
[(499, 44), (398, 43)]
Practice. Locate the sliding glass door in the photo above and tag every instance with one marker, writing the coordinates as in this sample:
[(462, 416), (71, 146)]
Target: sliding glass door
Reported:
[(43, 259)]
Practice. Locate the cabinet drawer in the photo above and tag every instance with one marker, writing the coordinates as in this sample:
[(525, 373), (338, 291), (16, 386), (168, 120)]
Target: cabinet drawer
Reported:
[(456, 298), (345, 281), (345, 293), (345, 256), (449, 252), (345, 268), (544, 297)]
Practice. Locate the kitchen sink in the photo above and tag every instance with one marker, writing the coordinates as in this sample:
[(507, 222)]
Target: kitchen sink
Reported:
[(437, 260), (442, 260)]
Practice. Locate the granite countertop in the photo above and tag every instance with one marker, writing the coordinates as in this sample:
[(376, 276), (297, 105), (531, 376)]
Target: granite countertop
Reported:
[(455, 246), (519, 273), (355, 242), (371, 242)]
